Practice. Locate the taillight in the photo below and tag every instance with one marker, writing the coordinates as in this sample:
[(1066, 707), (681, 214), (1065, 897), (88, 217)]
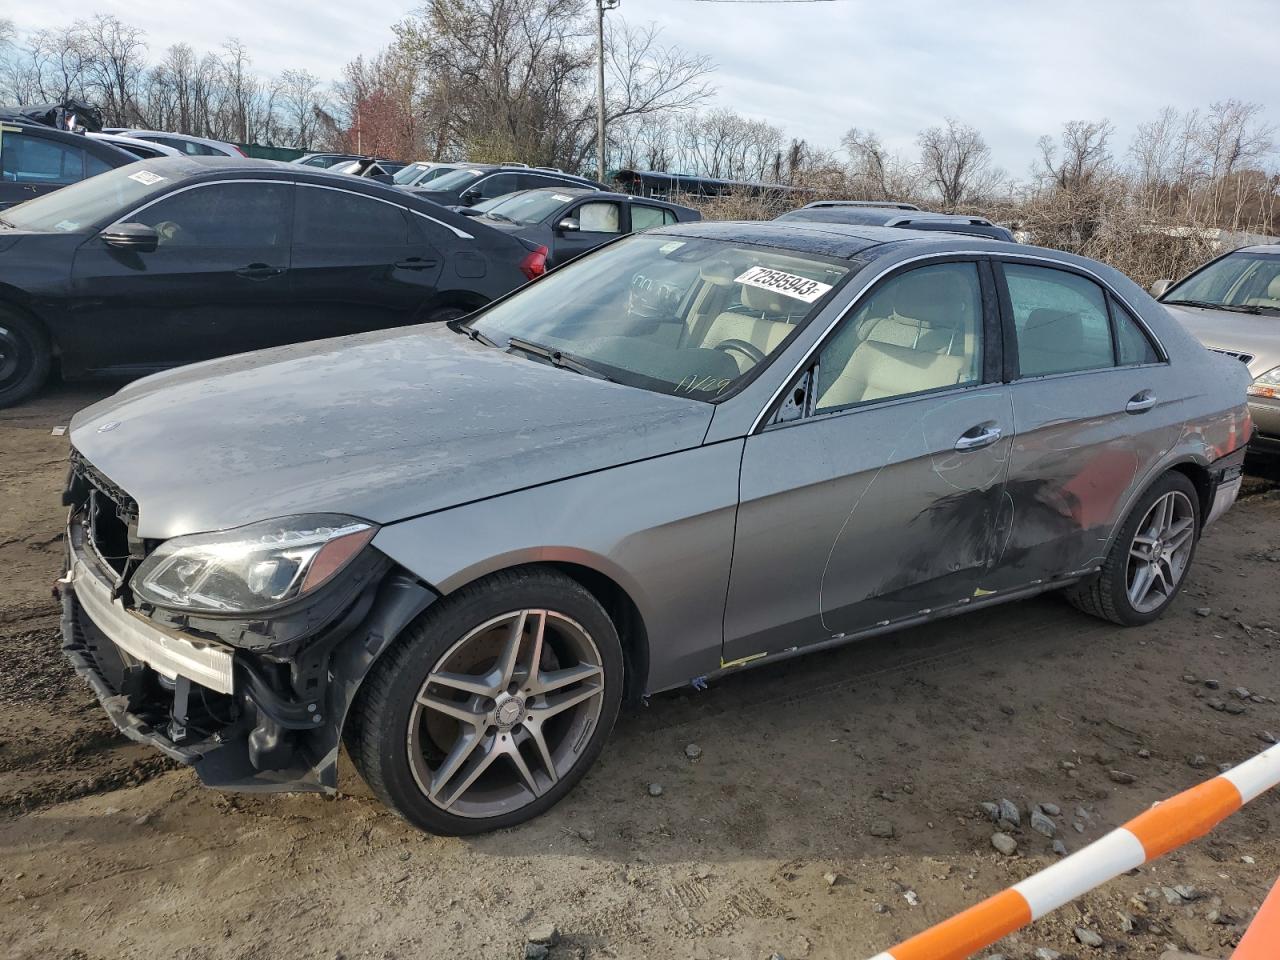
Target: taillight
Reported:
[(534, 264), (239, 151)]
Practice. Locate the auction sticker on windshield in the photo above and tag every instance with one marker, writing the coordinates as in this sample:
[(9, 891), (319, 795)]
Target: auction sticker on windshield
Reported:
[(146, 177), (788, 284)]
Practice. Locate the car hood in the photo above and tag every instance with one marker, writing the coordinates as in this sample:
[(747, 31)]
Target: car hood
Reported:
[(381, 426), (1254, 335)]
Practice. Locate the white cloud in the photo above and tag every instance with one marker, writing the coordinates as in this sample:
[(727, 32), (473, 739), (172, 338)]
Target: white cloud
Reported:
[(1014, 69)]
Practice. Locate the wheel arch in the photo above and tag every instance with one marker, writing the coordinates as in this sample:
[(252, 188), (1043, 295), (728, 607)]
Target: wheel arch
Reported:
[(1198, 474), (14, 298)]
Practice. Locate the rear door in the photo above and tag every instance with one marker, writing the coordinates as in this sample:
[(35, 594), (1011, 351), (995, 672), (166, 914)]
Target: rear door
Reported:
[(32, 165), (1094, 405), (359, 262), (217, 284), (876, 493)]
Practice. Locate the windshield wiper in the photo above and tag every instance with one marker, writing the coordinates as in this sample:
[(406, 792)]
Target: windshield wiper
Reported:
[(1229, 307), (457, 326), (558, 358)]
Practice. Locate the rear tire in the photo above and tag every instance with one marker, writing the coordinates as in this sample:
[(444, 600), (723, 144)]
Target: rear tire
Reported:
[(25, 356), (492, 705), (1149, 557), (445, 314)]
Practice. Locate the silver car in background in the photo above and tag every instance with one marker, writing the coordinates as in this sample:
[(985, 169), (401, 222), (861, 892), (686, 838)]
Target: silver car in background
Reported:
[(1232, 305), (458, 548)]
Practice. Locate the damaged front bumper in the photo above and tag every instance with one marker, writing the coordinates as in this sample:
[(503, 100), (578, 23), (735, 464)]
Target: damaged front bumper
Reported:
[(230, 713)]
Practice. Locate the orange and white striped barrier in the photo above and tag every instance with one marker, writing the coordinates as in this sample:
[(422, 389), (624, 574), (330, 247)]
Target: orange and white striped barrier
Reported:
[(1264, 933), (1166, 826)]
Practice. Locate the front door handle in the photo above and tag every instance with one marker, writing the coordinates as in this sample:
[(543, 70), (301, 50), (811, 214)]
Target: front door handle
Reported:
[(259, 271), (416, 263), (1140, 402), (975, 438)]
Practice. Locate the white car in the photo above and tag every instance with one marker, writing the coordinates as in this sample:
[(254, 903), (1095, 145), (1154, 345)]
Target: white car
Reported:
[(182, 142), (142, 149)]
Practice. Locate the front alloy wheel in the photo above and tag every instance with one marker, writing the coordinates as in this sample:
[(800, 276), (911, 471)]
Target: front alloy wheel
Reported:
[(492, 705)]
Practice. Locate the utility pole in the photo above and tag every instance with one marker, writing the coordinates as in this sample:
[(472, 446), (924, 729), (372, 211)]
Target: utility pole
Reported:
[(601, 7)]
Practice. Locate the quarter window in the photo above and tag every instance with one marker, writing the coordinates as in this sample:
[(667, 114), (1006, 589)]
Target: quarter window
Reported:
[(1060, 319), (336, 218), (252, 215), (920, 331)]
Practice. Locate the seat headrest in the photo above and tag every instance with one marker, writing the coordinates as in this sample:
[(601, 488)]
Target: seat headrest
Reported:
[(1059, 330), (767, 301), (937, 297)]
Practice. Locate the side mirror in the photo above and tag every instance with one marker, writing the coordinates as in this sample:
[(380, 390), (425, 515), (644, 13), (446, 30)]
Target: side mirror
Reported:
[(469, 197), (135, 237), (1160, 288), (569, 225)]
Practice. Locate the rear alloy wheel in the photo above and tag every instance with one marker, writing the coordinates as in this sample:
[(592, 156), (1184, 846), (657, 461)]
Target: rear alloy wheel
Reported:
[(24, 356), (1149, 557), (495, 705)]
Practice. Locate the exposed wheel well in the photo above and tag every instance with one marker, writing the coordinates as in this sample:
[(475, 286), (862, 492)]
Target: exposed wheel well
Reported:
[(461, 299), (625, 615), (1199, 477)]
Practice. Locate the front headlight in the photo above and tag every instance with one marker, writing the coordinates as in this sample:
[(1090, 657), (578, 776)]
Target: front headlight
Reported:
[(1267, 385), (250, 568)]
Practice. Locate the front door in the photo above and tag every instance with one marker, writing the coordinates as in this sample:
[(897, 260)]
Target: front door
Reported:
[(216, 284), (599, 221), (1094, 406), (878, 491), (358, 262)]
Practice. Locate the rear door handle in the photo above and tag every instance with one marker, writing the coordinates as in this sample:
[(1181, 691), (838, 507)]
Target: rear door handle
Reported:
[(416, 263), (1140, 402), (975, 438), (259, 271)]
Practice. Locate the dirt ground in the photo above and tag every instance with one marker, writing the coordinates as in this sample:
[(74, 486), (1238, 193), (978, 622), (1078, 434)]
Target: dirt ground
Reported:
[(762, 845)]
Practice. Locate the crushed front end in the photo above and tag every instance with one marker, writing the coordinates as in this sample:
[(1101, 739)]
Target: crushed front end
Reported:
[(252, 702)]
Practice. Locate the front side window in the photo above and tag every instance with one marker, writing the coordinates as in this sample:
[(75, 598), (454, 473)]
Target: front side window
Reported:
[(1060, 319), (600, 217), (25, 159), (336, 218), (89, 202), (920, 331), (253, 215), (1243, 282), (686, 316), (497, 185)]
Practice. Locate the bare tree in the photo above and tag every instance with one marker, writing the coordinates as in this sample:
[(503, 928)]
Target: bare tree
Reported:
[(114, 56), (956, 162), (1081, 155), (1233, 135)]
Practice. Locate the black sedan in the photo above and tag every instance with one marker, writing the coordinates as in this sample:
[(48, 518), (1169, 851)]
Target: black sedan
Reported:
[(36, 159), (571, 221), (165, 262)]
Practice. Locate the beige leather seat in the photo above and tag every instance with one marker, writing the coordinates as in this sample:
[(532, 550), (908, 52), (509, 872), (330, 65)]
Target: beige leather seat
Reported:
[(767, 318), (879, 370), (1272, 299)]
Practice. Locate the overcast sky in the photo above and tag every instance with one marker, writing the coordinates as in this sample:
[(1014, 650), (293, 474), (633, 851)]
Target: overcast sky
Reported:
[(1013, 68)]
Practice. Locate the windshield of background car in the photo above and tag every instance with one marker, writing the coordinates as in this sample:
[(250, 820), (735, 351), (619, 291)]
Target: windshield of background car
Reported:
[(1249, 280), (533, 206), (454, 180), (410, 173), (81, 205), (681, 315)]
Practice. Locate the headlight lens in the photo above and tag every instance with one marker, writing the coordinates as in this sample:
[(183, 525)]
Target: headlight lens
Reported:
[(1267, 385), (250, 568)]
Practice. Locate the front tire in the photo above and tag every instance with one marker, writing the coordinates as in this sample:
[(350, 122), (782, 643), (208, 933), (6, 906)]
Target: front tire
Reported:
[(1149, 558), (24, 356), (492, 705)]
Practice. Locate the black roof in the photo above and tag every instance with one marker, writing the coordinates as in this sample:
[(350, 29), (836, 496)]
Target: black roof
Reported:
[(601, 195)]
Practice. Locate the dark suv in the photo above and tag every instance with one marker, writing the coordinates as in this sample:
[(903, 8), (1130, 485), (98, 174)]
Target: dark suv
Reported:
[(892, 214), (473, 182)]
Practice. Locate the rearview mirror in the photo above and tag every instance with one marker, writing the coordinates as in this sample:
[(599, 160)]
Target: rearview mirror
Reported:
[(1160, 288), (137, 237), (568, 225)]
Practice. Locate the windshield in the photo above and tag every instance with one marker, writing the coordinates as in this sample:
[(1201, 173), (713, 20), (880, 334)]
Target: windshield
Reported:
[(454, 179), (1241, 281), (410, 173), (532, 206), (678, 315), (89, 202)]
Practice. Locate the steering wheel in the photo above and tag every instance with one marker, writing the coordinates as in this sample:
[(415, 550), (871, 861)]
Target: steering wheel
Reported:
[(748, 350)]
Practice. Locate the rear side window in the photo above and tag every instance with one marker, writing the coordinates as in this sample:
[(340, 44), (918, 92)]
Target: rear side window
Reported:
[(25, 159), (645, 217), (1132, 343), (336, 218), (1060, 319)]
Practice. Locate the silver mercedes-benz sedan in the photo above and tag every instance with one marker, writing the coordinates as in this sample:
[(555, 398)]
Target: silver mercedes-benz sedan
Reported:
[(458, 548), (1232, 304)]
